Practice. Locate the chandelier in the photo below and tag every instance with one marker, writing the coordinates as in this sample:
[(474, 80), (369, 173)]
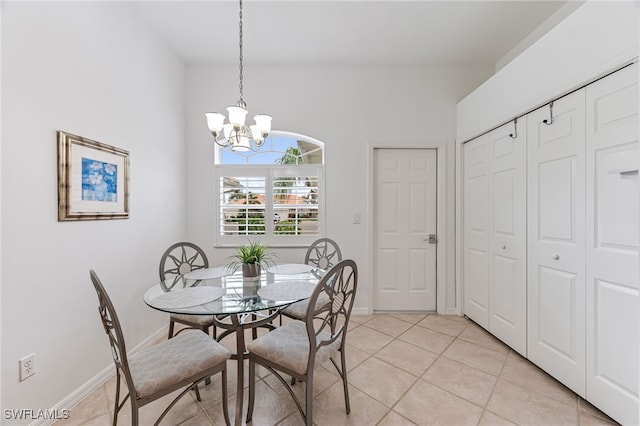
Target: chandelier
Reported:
[(235, 133)]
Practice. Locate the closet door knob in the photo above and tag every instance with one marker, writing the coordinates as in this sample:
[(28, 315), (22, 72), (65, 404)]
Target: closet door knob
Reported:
[(556, 257), (503, 247)]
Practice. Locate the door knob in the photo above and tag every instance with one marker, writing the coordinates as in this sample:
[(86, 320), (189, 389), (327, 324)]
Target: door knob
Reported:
[(432, 239), (503, 247), (556, 257)]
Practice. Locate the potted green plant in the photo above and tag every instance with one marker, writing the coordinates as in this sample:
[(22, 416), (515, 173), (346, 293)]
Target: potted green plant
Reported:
[(251, 257)]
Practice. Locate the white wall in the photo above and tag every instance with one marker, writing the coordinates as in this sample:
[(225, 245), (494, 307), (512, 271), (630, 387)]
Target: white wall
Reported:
[(1, 405), (348, 108), (558, 16), (594, 39), (93, 70)]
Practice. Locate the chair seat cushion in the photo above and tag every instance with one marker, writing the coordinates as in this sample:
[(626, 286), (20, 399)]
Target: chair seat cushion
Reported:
[(199, 320), (184, 357), (288, 346), (298, 310)]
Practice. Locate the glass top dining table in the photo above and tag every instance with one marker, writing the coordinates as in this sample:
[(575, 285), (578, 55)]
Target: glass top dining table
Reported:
[(236, 303), (218, 291)]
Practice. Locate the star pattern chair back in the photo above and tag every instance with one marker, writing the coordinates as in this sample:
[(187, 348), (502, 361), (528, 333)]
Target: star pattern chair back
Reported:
[(323, 253), (112, 328), (330, 307), (295, 348), (179, 259), (156, 371)]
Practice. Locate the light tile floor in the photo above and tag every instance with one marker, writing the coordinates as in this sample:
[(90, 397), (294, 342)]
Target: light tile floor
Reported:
[(404, 369)]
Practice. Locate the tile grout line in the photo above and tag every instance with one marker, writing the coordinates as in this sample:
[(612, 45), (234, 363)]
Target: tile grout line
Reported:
[(484, 408), (373, 355), (418, 378), (391, 409), (504, 375), (441, 355)]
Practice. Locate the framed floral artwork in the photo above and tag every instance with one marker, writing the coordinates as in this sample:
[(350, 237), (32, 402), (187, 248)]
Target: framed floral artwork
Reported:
[(93, 179)]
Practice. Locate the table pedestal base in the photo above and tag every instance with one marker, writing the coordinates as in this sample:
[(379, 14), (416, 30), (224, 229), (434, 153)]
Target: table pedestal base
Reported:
[(238, 324)]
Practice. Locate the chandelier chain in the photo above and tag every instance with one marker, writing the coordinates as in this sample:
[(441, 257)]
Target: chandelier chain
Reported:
[(241, 82)]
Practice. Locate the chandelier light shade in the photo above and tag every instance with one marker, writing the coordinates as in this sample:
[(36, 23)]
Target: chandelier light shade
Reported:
[(235, 134)]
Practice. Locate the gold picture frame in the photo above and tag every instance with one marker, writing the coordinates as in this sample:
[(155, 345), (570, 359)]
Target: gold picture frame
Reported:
[(93, 179)]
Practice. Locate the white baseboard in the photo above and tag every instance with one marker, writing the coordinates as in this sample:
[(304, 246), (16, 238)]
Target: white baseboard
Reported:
[(365, 311), (453, 311), (98, 380), (360, 311)]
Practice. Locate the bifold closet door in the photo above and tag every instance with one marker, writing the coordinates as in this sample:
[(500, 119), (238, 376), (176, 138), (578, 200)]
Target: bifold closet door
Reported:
[(556, 240), (495, 278), (476, 196), (508, 235), (613, 305)]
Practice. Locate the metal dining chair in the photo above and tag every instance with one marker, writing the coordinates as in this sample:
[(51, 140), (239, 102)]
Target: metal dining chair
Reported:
[(177, 260), (181, 362), (323, 254), (295, 348)]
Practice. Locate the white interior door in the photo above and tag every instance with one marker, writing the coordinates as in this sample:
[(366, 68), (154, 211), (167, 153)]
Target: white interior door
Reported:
[(612, 245), (556, 240), (508, 235), (405, 215), (476, 199)]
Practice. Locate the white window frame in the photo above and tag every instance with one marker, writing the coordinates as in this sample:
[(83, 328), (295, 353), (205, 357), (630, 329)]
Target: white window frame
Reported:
[(319, 147), (269, 172)]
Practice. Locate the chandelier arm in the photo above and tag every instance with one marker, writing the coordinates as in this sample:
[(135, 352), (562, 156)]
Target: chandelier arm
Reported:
[(221, 142), (255, 145)]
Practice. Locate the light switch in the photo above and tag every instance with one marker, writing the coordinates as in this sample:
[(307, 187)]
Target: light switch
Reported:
[(356, 218)]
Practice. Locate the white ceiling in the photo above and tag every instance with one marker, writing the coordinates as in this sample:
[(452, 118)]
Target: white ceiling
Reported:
[(347, 32)]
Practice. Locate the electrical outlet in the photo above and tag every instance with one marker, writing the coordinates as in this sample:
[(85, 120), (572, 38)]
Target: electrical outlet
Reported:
[(27, 366)]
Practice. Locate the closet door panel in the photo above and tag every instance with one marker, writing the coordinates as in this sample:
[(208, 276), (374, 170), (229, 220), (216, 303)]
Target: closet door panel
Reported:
[(612, 245), (556, 203), (557, 311), (508, 299), (476, 230), (556, 240)]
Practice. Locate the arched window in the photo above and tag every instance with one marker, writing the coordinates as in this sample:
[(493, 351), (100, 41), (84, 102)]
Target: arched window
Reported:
[(279, 148), (275, 195)]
